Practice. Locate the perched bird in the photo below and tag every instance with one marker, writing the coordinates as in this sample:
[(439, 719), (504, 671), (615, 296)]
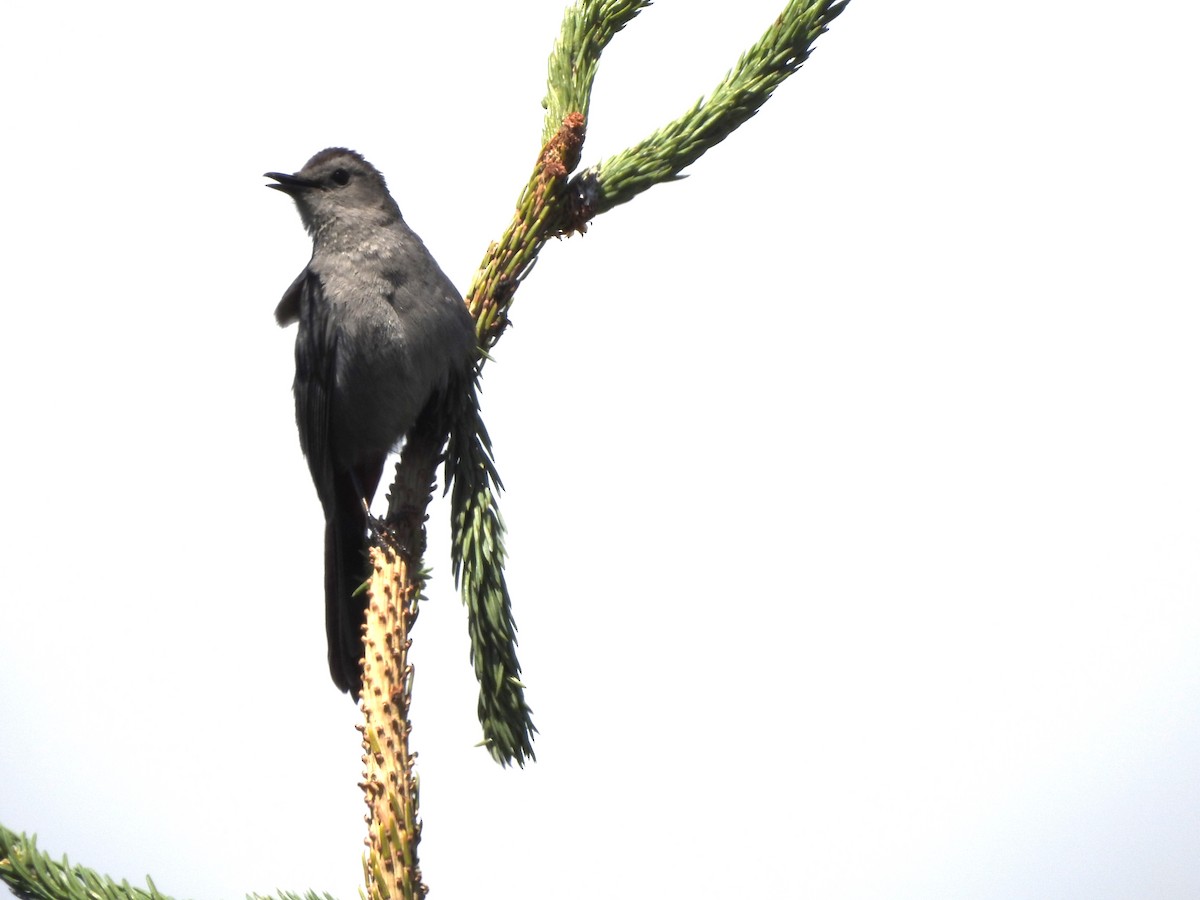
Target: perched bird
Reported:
[(383, 345)]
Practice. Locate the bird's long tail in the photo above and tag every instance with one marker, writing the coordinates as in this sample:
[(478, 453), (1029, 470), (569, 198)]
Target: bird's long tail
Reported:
[(346, 568), (344, 572)]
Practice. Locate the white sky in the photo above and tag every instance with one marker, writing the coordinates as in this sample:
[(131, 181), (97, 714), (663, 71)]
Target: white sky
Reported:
[(853, 486)]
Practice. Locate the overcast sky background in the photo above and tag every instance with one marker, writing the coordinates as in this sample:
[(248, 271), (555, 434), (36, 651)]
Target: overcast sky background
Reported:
[(853, 482)]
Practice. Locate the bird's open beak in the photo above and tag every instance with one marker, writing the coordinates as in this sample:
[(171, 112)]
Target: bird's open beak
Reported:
[(289, 184)]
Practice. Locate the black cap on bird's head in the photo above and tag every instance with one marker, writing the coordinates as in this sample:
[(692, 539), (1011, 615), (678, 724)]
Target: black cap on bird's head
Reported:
[(337, 184)]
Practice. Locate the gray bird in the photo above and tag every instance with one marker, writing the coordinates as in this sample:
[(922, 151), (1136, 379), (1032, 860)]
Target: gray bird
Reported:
[(385, 345)]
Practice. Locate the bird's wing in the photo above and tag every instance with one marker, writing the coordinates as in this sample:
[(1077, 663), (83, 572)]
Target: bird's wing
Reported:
[(288, 310), (316, 360)]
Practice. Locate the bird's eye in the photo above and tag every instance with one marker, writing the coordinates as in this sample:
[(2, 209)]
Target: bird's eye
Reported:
[(340, 176)]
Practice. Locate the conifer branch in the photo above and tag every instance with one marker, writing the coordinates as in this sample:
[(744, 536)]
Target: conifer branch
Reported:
[(33, 875), (551, 205), (668, 151), (390, 783)]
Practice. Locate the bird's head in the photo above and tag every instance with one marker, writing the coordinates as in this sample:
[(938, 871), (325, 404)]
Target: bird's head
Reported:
[(338, 187)]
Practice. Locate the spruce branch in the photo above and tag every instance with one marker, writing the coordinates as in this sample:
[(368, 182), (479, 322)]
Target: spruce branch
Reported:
[(390, 785), (477, 528), (587, 28), (549, 206), (33, 875), (478, 558), (664, 154)]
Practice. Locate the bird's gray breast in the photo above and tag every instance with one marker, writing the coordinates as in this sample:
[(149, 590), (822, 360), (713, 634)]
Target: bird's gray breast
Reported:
[(403, 335)]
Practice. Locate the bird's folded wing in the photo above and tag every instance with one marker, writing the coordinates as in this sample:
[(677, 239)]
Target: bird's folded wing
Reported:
[(316, 361)]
